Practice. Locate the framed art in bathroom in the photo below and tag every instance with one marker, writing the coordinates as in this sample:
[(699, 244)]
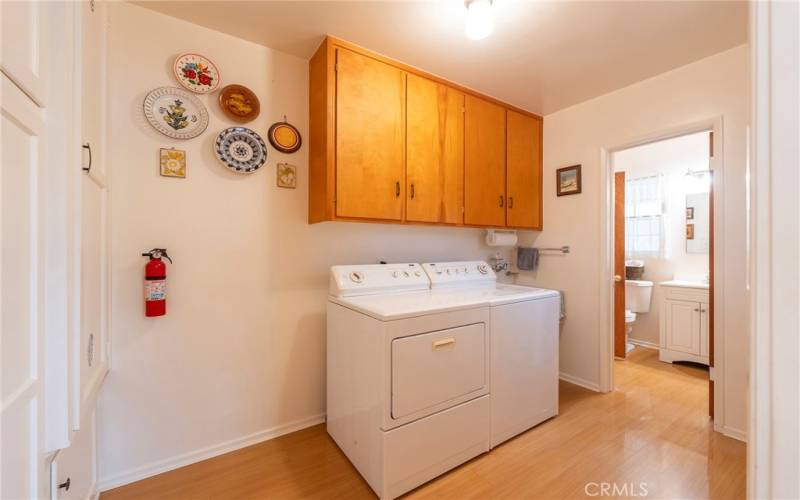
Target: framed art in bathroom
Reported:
[(568, 180)]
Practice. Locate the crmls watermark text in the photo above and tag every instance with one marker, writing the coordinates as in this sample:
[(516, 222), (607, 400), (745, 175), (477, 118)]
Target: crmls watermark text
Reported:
[(602, 489)]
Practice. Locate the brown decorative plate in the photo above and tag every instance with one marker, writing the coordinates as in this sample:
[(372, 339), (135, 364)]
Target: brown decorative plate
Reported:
[(284, 137), (239, 103)]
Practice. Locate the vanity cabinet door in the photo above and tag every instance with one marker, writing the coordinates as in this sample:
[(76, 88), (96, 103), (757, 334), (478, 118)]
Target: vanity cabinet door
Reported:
[(370, 137), (524, 171), (435, 152), (484, 163), (704, 312), (683, 326)]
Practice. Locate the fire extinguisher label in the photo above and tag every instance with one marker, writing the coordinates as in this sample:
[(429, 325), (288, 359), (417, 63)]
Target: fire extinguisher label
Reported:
[(155, 290)]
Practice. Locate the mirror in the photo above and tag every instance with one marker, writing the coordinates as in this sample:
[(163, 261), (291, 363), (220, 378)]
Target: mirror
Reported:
[(697, 240)]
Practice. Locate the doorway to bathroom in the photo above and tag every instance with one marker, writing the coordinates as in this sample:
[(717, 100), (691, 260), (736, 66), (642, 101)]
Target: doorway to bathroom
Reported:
[(663, 258)]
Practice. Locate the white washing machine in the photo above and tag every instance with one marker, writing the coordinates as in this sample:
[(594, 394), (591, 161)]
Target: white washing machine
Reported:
[(412, 360)]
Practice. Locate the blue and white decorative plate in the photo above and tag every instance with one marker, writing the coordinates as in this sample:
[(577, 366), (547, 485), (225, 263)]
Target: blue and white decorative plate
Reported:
[(241, 150)]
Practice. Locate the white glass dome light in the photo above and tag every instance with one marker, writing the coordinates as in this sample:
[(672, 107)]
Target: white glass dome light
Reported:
[(479, 22)]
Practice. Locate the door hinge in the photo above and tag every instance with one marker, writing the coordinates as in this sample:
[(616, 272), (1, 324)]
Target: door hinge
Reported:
[(712, 373), (336, 67)]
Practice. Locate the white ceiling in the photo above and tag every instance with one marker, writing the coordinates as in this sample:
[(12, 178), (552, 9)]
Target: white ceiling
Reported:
[(543, 55)]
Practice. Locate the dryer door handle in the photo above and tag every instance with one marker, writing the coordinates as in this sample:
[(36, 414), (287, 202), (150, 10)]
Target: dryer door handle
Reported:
[(444, 342)]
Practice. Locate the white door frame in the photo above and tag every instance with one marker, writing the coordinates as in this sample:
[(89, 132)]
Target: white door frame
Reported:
[(772, 457), (713, 124)]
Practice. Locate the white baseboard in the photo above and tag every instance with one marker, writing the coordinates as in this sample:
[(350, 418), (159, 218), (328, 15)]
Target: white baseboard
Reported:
[(643, 343), (737, 434), (586, 384), (169, 464)]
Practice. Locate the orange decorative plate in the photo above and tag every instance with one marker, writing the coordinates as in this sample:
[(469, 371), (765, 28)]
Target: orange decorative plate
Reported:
[(239, 103), (284, 137)]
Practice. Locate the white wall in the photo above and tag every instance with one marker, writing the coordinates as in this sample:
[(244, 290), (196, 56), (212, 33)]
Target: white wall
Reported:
[(715, 86), (241, 351), (671, 158)]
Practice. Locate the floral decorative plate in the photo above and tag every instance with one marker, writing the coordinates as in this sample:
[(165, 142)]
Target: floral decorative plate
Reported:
[(196, 73), (239, 103), (284, 137), (240, 149), (175, 112)]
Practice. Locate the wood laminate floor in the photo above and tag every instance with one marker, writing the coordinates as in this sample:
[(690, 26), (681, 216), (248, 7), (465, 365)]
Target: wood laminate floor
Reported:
[(650, 436)]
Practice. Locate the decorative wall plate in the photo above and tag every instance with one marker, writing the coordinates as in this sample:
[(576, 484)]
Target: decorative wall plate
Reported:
[(175, 112), (196, 73), (240, 149), (284, 137), (239, 103)]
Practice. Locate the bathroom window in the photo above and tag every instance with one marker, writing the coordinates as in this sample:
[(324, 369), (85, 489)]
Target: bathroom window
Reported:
[(644, 217)]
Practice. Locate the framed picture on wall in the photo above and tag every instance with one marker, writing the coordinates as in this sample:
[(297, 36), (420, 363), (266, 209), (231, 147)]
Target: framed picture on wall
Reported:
[(689, 231), (689, 213), (568, 180)]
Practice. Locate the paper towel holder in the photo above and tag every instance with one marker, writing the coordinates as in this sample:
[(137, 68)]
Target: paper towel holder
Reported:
[(501, 237)]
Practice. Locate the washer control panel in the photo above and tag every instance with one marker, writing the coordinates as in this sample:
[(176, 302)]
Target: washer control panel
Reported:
[(458, 273), (376, 278)]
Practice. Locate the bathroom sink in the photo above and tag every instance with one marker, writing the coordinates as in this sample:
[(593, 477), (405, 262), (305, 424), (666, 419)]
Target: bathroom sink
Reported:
[(685, 284)]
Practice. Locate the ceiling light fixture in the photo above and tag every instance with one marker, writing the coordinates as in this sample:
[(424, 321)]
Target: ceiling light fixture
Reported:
[(479, 23)]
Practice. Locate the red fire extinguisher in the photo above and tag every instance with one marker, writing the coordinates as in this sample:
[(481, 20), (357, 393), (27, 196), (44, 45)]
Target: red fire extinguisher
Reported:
[(155, 283)]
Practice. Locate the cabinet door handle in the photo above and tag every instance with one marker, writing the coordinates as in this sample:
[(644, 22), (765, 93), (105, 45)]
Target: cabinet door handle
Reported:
[(510, 202), (412, 190), (501, 201), (696, 310), (88, 147), (397, 189)]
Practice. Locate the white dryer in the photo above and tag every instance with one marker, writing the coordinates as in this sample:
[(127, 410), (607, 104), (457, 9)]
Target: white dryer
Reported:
[(408, 375)]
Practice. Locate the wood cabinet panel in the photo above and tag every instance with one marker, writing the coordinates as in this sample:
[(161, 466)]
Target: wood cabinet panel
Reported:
[(370, 137), (434, 152), (484, 163), (524, 171)]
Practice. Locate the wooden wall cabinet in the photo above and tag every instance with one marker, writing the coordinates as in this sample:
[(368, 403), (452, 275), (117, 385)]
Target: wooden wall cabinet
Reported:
[(484, 163), (389, 143), (434, 152)]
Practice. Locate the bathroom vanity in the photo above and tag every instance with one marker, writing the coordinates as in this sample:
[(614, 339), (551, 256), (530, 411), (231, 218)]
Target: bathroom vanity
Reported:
[(683, 333)]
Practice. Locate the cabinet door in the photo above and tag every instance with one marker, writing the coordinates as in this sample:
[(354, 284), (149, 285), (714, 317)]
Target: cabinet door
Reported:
[(704, 311), (484, 163), (524, 171), (435, 152), (370, 133), (683, 326)]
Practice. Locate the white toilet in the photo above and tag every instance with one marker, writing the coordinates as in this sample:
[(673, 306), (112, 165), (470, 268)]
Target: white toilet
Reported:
[(637, 300)]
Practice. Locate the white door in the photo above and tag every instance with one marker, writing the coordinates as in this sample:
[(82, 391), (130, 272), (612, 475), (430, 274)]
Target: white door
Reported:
[(22, 342), (23, 43), (89, 362), (23, 134), (524, 366), (682, 326)]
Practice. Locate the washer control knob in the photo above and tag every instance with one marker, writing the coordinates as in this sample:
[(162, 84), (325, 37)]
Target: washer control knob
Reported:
[(483, 268), (466, 270), (405, 273), (448, 271), (417, 273), (394, 274), (356, 277)]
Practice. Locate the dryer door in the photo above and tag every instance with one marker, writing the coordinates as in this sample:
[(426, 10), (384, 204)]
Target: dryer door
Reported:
[(433, 368)]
